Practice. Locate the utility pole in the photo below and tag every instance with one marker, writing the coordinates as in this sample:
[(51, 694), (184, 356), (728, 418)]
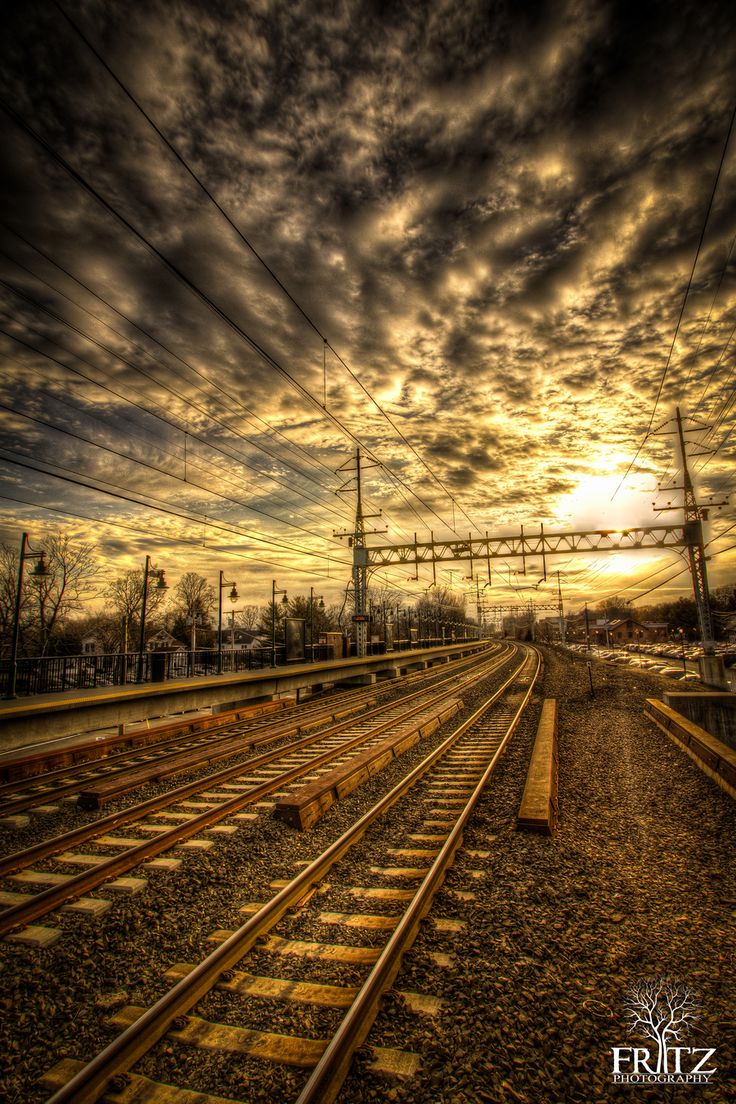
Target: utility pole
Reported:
[(693, 529), (356, 540), (360, 571), (694, 515), (561, 612)]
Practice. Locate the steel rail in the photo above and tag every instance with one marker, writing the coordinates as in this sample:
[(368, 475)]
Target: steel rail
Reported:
[(203, 749), (20, 860), (92, 1080), (52, 898), (111, 766), (109, 754), (328, 1075), (191, 760)]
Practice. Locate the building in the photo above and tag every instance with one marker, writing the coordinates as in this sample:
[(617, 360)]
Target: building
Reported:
[(625, 630)]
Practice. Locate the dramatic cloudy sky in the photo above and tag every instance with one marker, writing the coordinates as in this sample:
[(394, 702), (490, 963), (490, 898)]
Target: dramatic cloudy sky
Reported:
[(459, 236)]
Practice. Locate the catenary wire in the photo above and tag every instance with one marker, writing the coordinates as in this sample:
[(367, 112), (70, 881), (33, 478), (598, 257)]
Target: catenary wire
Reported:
[(206, 191), (684, 301), (159, 383), (195, 290), (132, 402)]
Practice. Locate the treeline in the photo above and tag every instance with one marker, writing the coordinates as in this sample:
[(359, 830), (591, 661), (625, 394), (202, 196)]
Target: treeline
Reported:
[(77, 600), (678, 614)]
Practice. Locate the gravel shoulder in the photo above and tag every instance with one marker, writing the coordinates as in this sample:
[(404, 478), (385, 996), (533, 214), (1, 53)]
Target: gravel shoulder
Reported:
[(638, 883)]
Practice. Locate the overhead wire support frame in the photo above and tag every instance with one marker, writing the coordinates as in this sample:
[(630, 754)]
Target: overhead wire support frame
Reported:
[(519, 545)]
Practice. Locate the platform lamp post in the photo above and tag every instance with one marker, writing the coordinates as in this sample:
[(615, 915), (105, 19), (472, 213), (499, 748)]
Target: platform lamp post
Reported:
[(149, 572), (40, 571), (233, 596), (682, 647), (311, 617), (285, 602)]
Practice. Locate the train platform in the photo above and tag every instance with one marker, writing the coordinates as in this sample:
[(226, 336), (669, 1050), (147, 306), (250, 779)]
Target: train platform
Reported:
[(75, 714)]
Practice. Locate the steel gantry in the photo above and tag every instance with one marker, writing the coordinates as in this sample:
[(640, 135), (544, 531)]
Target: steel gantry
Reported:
[(479, 552)]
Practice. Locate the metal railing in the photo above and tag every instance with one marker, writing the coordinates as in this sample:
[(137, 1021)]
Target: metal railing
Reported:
[(51, 674)]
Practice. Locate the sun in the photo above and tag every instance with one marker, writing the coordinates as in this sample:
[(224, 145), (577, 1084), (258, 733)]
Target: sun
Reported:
[(600, 502)]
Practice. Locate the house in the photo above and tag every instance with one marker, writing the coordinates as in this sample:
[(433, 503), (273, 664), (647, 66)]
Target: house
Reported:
[(246, 640), (625, 630), (91, 645), (163, 641)]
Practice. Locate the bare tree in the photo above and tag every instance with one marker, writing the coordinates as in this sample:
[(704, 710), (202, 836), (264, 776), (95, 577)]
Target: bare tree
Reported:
[(125, 598), (248, 617), (660, 1010), (8, 583), (47, 601), (195, 597)]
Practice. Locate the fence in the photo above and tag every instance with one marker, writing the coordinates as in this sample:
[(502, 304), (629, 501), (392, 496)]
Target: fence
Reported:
[(47, 674)]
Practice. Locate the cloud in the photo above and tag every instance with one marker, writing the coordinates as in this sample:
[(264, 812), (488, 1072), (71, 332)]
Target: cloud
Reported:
[(491, 215)]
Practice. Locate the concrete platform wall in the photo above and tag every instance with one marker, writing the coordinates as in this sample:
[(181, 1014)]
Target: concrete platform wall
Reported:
[(715, 712)]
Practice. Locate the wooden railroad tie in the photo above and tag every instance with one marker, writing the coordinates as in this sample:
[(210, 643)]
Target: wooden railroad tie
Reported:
[(539, 811)]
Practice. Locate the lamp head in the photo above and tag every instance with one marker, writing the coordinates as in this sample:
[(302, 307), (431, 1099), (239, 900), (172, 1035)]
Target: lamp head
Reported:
[(41, 569), (233, 596)]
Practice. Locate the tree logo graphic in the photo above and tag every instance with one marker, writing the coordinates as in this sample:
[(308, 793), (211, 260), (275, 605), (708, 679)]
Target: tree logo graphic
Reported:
[(661, 1012)]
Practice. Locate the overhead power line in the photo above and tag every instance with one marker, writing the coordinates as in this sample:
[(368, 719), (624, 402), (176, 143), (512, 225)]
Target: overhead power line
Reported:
[(684, 301), (270, 430), (261, 260), (206, 299), (160, 417), (312, 572), (151, 502), (228, 399)]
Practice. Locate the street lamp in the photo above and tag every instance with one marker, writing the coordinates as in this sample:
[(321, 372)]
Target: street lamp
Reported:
[(233, 596), (311, 617), (40, 571), (285, 602), (149, 572)]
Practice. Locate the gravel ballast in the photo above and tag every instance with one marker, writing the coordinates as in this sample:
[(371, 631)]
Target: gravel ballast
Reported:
[(638, 882)]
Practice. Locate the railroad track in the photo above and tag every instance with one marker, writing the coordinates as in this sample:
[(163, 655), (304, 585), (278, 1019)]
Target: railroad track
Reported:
[(216, 803), (185, 751), (212, 1005), (176, 755)]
